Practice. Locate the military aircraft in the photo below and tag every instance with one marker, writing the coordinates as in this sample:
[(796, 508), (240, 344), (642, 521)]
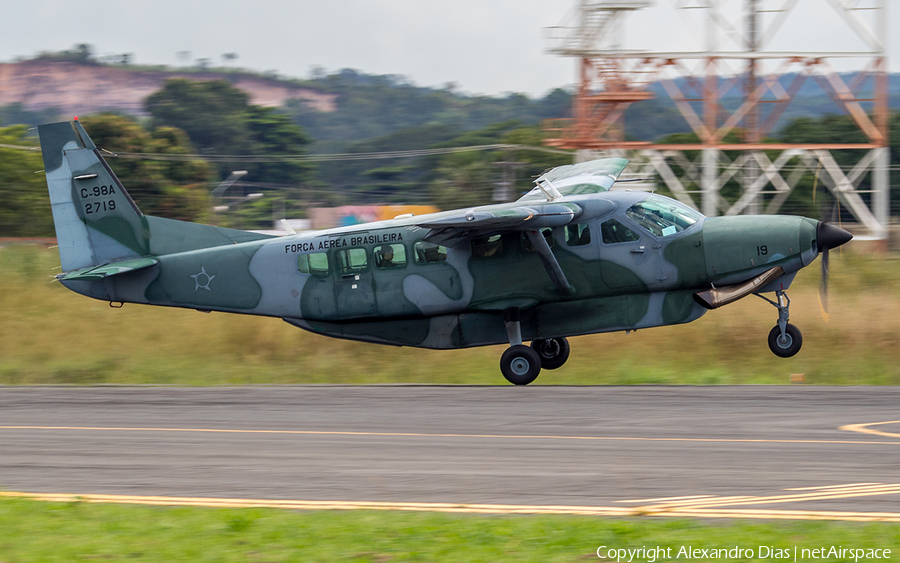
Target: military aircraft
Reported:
[(570, 257)]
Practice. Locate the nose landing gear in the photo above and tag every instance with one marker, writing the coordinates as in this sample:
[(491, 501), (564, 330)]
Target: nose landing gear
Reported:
[(785, 339)]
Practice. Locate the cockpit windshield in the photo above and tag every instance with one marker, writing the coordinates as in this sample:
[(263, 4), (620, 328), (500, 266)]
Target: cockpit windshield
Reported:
[(662, 217)]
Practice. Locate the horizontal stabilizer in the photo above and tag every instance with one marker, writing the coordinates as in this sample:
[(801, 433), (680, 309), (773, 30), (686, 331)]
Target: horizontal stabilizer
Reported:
[(104, 271)]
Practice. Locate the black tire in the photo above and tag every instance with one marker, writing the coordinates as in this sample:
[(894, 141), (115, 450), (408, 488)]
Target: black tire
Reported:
[(786, 349), (520, 365), (553, 351)]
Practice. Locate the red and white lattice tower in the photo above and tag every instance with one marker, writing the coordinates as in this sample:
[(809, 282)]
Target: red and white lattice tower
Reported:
[(741, 52)]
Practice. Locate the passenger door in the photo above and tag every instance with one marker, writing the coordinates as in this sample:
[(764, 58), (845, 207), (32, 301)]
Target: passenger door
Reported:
[(390, 269), (353, 287)]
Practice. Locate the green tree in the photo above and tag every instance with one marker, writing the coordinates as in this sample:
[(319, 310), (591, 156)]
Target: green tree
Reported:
[(220, 121), (210, 112), (82, 53), (371, 106), (177, 189), (448, 181), (271, 134), (26, 204), (16, 114), (397, 180), (469, 178), (535, 162)]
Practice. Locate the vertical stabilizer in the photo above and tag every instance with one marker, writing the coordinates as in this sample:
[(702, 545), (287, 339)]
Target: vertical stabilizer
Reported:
[(96, 220)]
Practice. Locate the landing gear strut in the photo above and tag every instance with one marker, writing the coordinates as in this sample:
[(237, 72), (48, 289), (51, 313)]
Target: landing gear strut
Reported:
[(785, 339)]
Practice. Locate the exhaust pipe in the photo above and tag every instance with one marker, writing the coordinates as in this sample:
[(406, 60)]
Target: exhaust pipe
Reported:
[(715, 297)]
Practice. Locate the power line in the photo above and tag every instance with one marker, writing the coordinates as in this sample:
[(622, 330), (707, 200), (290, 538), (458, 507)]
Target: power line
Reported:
[(334, 157), (318, 157), (19, 147)]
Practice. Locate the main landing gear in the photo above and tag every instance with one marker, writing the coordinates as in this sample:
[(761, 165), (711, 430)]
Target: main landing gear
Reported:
[(553, 351), (785, 339), (522, 364)]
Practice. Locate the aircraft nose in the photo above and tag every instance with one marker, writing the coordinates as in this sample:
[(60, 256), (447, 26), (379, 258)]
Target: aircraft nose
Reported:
[(829, 236)]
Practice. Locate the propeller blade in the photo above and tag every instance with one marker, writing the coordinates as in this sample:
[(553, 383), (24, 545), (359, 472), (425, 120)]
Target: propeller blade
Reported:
[(828, 237), (823, 286)]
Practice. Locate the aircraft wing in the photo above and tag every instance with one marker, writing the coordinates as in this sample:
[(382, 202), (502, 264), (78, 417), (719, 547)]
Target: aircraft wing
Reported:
[(488, 220), (596, 176), (539, 208)]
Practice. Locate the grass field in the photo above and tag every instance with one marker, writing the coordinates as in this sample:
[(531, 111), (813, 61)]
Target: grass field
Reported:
[(77, 531), (50, 335)]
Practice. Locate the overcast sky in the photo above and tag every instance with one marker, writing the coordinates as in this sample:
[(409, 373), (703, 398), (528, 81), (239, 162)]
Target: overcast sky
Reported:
[(484, 46)]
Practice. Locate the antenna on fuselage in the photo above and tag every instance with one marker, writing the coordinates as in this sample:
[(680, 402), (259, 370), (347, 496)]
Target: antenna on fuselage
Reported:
[(287, 227)]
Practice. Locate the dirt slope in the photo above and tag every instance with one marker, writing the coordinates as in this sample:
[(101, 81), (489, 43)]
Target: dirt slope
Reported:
[(82, 89)]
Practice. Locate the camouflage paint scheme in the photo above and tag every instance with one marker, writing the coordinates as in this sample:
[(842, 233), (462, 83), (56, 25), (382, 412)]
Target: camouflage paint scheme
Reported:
[(586, 284)]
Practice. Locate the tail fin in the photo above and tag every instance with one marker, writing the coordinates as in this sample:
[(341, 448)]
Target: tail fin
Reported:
[(96, 220)]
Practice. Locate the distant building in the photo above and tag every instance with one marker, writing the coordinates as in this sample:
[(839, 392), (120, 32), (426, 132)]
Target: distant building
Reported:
[(328, 217)]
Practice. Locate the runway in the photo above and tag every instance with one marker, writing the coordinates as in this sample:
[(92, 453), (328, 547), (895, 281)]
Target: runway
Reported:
[(746, 451)]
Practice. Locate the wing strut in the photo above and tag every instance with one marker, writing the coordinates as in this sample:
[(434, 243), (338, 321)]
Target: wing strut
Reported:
[(550, 263)]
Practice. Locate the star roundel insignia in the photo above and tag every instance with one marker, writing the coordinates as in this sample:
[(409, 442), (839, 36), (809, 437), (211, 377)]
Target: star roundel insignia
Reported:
[(202, 279)]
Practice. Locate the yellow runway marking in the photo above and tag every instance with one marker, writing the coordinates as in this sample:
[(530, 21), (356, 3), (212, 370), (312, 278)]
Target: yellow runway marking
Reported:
[(864, 428), (448, 435), (460, 508), (824, 493), (667, 498), (831, 487)]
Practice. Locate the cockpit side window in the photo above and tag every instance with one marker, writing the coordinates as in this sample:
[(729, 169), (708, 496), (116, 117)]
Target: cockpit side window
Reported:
[(614, 232), (390, 256), (662, 218)]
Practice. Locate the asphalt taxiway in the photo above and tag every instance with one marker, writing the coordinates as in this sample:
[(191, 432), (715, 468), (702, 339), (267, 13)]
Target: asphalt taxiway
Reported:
[(747, 451)]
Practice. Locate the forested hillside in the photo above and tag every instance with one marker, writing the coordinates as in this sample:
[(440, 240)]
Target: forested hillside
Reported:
[(336, 109)]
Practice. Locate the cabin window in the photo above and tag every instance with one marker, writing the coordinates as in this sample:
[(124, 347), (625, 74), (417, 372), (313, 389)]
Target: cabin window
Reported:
[(428, 253), (484, 247), (662, 218), (526, 242), (352, 261), (578, 234), (614, 232), (390, 256), (315, 263)]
